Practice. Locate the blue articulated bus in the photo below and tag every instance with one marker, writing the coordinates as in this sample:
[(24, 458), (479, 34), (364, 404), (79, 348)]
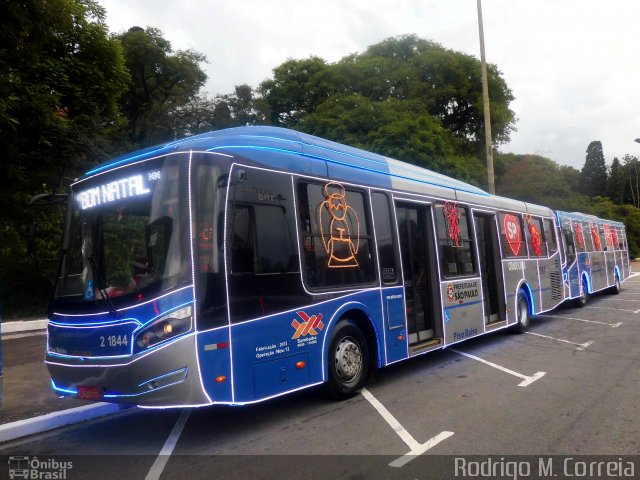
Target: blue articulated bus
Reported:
[(239, 265), (596, 255)]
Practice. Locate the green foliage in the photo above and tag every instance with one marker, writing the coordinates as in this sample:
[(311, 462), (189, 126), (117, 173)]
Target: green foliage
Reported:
[(537, 179), (163, 84), (616, 183), (397, 128), (399, 86), (61, 75), (594, 173)]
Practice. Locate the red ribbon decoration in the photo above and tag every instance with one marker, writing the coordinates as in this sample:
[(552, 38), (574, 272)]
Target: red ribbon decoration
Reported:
[(596, 237), (452, 216), (536, 241), (579, 238)]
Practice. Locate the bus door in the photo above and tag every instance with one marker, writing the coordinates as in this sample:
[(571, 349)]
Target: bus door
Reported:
[(413, 221), (490, 267)]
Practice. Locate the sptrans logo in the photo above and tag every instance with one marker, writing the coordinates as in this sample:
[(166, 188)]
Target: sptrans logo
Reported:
[(35, 469), (309, 326)]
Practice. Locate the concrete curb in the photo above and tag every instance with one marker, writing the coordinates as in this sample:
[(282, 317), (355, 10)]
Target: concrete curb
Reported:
[(23, 325), (43, 423)]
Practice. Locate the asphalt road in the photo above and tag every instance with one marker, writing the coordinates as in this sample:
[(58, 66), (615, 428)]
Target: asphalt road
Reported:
[(485, 397)]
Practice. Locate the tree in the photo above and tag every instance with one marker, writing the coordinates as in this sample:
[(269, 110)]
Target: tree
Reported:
[(447, 83), (616, 182), (404, 97), (295, 90), (396, 128), (164, 83), (632, 180), (594, 172), (61, 75), (537, 179)]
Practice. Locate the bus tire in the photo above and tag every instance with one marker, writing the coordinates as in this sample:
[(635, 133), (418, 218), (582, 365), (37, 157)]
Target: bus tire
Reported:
[(582, 300), (616, 286), (522, 314), (348, 359)]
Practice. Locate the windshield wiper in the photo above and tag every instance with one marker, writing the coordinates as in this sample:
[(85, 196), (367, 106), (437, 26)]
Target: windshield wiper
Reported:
[(96, 273)]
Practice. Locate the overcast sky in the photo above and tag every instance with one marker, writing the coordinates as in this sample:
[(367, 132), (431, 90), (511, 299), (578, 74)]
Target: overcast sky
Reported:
[(573, 65)]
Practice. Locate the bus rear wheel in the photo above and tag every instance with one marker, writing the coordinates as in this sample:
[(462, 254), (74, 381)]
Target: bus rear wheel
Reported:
[(582, 300), (524, 320), (348, 360), (616, 286)]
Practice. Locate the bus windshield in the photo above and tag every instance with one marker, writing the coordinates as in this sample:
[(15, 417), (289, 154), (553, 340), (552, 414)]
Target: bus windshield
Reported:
[(124, 234)]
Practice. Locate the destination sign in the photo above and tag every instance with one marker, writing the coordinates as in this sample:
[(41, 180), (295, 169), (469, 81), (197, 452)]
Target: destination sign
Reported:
[(133, 186)]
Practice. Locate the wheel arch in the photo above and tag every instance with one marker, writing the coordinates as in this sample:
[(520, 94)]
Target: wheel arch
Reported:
[(359, 314), (585, 280), (616, 273), (524, 287)]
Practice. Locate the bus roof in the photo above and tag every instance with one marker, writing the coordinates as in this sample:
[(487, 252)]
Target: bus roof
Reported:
[(585, 217), (242, 140)]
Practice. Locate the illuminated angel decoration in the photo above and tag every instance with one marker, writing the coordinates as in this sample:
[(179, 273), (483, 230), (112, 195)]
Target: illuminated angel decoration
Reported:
[(536, 240), (341, 240)]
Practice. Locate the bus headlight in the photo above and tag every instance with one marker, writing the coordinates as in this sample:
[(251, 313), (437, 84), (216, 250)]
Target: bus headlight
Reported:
[(170, 325)]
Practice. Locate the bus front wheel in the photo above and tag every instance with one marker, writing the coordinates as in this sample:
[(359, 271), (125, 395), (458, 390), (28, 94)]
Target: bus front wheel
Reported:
[(348, 360)]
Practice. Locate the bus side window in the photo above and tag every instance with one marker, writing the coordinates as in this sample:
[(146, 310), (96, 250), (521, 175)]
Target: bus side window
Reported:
[(512, 236), (387, 247), (454, 240), (568, 237), (243, 250), (263, 276), (336, 236), (537, 247), (550, 236), (587, 237)]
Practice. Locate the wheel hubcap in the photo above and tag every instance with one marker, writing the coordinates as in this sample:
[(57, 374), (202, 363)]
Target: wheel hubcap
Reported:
[(348, 359)]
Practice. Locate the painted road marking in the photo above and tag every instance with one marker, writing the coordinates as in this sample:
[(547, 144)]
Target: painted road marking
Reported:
[(526, 380), (616, 309), (612, 325), (581, 346), (169, 445), (415, 447)]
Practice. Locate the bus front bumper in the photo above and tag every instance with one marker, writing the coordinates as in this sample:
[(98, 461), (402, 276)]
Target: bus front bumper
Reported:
[(162, 377)]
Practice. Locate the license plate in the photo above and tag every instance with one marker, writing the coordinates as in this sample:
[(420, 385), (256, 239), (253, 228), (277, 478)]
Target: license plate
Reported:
[(89, 393)]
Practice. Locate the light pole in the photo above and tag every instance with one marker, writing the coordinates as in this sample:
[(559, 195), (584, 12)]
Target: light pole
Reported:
[(485, 101)]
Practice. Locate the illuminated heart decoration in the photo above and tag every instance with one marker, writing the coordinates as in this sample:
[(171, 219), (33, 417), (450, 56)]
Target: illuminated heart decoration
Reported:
[(512, 232)]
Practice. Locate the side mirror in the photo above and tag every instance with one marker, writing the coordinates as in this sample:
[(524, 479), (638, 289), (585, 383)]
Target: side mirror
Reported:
[(45, 199)]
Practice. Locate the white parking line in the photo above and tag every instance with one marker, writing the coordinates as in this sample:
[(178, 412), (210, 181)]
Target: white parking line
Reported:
[(581, 346), (612, 325), (616, 309), (169, 445), (415, 447), (526, 380)]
